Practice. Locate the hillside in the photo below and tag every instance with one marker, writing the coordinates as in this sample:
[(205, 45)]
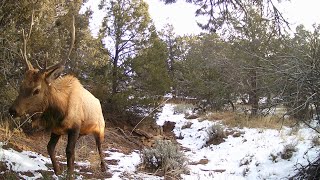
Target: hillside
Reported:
[(242, 153)]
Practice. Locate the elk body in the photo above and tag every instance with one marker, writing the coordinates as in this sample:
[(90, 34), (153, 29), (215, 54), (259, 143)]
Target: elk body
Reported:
[(62, 105)]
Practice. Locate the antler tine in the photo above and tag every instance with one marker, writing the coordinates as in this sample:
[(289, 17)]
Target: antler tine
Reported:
[(44, 68), (59, 64), (38, 65), (73, 34), (46, 61), (24, 53)]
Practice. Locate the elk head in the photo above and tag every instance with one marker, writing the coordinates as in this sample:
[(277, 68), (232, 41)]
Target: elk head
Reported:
[(34, 90)]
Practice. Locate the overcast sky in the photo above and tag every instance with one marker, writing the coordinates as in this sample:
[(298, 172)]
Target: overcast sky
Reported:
[(182, 15), (304, 12)]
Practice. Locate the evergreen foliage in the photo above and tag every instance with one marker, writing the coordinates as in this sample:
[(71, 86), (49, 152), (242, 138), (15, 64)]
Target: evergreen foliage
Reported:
[(131, 65)]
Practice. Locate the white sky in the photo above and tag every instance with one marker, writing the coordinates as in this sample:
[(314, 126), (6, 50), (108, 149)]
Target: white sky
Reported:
[(304, 12), (182, 15)]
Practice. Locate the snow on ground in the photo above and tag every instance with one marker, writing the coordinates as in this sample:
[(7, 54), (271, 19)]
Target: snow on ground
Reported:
[(126, 163), (255, 154), (23, 161), (250, 156)]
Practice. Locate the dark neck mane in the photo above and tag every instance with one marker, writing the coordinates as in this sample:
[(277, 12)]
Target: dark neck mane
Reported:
[(58, 98)]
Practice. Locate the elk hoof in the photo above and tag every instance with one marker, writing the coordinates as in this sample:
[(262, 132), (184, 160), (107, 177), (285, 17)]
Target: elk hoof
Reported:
[(70, 176), (57, 171), (103, 167)]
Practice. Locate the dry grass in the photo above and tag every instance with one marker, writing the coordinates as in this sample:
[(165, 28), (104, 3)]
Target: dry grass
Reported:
[(234, 119), (86, 151), (85, 148), (240, 119), (95, 162), (214, 116), (14, 137)]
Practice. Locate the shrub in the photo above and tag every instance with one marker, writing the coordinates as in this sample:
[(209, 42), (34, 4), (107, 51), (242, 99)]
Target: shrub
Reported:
[(246, 160), (186, 125), (273, 157), (216, 135), (9, 175), (183, 108), (166, 157), (288, 151), (315, 141)]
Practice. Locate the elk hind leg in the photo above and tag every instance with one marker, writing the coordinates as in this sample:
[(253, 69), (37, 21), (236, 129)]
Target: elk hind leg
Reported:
[(99, 139)]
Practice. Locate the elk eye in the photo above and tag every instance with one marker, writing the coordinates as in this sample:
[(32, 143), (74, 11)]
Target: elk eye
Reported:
[(35, 92)]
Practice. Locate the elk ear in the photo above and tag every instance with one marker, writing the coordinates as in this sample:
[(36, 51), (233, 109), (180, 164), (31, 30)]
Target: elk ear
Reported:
[(54, 74)]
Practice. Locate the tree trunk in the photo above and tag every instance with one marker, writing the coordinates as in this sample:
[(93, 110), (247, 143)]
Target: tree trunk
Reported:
[(253, 95), (115, 73)]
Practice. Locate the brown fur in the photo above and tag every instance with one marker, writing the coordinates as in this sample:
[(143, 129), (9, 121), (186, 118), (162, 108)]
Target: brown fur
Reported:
[(62, 105)]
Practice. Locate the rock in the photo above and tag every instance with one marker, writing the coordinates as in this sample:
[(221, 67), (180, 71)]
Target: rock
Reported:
[(168, 126)]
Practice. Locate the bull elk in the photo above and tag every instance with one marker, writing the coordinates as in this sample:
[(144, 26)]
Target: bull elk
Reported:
[(60, 104)]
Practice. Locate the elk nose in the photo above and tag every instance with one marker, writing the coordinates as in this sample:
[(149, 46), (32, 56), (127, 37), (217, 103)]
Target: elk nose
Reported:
[(12, 112)]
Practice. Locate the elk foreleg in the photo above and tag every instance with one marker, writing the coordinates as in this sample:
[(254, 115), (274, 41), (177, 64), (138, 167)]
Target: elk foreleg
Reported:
[(51, 151), (73, 136)]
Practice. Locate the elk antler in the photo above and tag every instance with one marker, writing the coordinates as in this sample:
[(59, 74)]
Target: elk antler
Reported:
[(73, 34), (26, 37), (63, 62)]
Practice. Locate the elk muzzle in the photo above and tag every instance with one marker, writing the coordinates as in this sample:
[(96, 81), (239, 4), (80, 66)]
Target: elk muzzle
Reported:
[(13, 112)]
